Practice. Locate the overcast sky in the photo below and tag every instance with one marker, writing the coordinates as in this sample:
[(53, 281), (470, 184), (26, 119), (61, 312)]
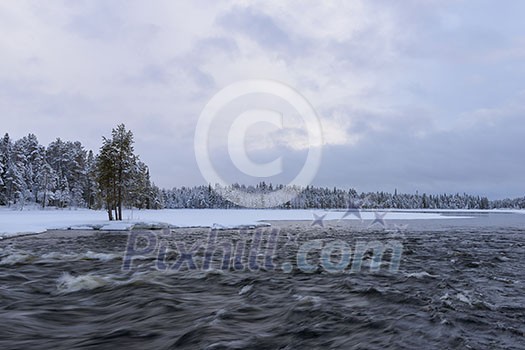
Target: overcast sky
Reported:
[(413, 95)]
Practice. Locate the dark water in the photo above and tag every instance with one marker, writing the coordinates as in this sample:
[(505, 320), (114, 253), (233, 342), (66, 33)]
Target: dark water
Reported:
[(460, 285)]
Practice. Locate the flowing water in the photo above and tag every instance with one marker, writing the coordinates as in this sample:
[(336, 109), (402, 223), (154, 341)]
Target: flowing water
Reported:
[(460, 284)]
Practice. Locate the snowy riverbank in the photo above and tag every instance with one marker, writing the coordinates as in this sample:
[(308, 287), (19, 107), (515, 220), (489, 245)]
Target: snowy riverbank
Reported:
[(15, 222)]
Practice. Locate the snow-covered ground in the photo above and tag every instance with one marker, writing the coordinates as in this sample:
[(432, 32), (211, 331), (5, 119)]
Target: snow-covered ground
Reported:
[(16, 222)]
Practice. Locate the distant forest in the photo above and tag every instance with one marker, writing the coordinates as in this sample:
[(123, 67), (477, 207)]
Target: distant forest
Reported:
[(66, 175)]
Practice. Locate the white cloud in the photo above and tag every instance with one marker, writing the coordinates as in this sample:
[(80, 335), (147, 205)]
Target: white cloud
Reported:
[(76, 69)]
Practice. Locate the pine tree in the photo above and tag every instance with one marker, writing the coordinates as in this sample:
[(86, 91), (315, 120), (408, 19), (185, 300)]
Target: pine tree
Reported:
[(29, 157), (91, 186), (140, 187), (106, 176), (47, 180), (116, 165), (56, 157)]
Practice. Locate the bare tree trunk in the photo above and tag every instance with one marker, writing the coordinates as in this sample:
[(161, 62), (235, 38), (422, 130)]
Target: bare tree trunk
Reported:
[(114, 200), (119, 203), (119, 191)]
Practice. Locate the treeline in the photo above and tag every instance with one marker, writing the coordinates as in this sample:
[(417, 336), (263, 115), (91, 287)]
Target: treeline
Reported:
[(65, 174), (333, 198)]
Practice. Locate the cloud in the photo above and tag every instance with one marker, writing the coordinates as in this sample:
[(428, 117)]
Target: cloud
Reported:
[(418, 95), (257, 26)]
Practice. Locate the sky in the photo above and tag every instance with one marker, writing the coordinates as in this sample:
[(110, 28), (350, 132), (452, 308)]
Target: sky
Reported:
[(424, 96)]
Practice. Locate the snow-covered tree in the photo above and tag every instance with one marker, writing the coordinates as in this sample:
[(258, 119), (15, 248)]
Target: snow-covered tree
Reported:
[(91, 189), (47, 180)]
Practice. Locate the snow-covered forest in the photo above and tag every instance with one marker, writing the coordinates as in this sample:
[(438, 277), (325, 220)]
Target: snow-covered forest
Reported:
[(326, 198), (65, 174)]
